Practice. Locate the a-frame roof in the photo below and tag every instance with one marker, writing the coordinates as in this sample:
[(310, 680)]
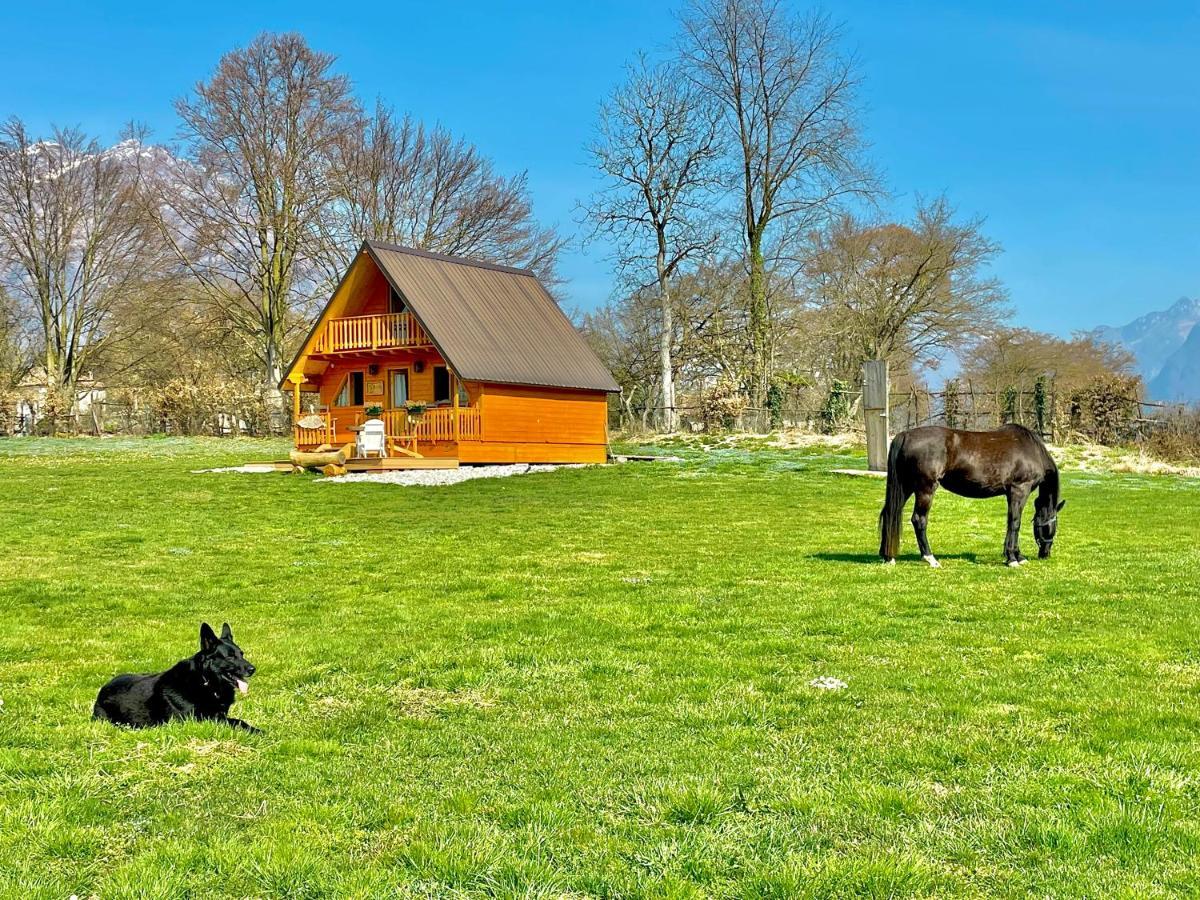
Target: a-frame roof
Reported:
[(491, 323)]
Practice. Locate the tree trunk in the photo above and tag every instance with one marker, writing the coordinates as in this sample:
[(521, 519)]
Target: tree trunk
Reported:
[(760, 326), (668, 421)]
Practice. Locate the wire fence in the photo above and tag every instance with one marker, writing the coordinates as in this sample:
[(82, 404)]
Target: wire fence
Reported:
[(115, 417), (1111, 415)]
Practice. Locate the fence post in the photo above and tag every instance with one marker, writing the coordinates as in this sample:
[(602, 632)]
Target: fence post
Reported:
[(875, 412)]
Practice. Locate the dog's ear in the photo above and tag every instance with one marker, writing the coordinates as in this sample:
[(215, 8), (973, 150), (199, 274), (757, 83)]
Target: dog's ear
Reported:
[(208, 639), (226, 632), (1061, 504)]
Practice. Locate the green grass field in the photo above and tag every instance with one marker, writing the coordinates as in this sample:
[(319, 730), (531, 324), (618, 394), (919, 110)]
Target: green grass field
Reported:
[(594, 683)]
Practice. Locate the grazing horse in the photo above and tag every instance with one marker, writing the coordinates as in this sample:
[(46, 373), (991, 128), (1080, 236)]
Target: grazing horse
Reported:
[(1011, 461)]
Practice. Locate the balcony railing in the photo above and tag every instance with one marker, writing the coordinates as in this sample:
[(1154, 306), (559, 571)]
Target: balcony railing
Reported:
[(355, 333)]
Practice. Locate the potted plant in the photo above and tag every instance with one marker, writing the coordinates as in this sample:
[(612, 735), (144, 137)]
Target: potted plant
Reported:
[(415, 410), (374, 411)]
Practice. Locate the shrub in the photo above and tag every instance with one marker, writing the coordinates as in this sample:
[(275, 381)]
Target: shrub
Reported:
[(952, 403), (1177, 438), (199, 403), (721, 405), (1105, 410), (835, 413), (1041, 404), (1010, 404), (8, 410)]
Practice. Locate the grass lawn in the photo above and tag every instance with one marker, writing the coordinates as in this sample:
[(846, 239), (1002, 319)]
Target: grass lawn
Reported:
[(594, 682)]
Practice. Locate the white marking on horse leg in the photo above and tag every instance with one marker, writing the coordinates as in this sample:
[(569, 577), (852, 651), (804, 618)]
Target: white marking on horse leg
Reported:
[(1021, 562), (889, 562), (932, 560), (1013, 564)]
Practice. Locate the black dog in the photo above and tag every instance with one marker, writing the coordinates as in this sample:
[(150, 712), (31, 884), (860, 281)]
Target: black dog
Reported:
[(201, 687)]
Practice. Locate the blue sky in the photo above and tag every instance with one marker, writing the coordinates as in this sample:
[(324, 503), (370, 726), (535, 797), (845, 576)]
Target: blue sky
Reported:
[(1074, 128)]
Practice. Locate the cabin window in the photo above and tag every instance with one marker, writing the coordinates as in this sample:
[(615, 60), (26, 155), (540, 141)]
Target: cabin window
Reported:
[(441, 384), (351, 392), (395, 301), (399, 379)]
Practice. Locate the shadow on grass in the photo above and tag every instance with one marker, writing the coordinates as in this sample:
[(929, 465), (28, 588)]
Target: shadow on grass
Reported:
[(873, 558)]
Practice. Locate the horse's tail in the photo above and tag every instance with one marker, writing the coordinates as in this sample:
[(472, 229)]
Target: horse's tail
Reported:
[(893, 504)]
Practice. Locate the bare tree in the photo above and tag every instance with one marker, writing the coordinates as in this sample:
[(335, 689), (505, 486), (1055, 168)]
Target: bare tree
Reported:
[(396, 180), (622, 335), (15, 360), (790, 109), (904, 292), (710, 312), (656, 147), (75, 245), (261, 135), (1017, 357)]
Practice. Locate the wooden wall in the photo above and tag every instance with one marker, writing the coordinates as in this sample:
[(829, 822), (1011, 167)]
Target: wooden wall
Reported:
[(529, 424)]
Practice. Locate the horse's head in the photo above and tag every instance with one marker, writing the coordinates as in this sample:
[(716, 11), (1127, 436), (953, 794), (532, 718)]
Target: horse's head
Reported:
[(1045, 526)]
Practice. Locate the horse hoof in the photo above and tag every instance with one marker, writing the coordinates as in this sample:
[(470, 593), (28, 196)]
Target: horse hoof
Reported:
[(1013, 564), (932, 560), (889, 562)]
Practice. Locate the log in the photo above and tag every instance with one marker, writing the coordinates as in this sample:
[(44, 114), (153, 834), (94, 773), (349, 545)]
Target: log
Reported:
[(317, 460), (333, 470)]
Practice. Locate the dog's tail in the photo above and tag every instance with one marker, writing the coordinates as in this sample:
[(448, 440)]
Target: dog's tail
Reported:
[(893, 504)]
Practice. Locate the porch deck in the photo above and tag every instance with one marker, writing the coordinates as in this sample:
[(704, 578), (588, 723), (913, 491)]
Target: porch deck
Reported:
[(390, 463)]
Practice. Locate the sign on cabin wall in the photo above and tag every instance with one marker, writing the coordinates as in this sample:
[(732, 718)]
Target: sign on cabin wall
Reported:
[(374, 388)]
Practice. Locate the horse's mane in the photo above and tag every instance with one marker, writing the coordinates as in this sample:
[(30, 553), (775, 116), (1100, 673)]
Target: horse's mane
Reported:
[(1049, 487)]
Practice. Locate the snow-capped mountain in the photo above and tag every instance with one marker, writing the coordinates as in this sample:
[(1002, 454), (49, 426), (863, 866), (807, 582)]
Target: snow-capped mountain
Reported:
[(54, 161), (1159, 342)]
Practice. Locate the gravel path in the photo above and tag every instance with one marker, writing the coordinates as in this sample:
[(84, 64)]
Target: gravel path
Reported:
[(440, 477)]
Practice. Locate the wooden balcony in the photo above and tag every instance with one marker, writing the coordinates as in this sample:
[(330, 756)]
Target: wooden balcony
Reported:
[(437, 425), (358, 334)]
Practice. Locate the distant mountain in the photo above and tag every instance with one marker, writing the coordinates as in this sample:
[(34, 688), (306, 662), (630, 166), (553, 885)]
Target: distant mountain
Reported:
[(1178, 381), (1157, 337)]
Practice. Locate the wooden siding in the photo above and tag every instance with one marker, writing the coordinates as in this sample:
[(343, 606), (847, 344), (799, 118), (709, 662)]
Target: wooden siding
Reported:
[(499, 453), (522, 415)]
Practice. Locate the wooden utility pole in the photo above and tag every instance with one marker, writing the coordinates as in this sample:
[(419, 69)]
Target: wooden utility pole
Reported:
[(875, 411)]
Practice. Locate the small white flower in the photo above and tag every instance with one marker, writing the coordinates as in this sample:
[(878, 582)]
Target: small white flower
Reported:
[(827, 683)]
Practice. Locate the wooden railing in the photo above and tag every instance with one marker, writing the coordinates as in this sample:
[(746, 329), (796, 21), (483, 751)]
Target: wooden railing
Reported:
[(434, 425), (322, 434), (370, 333)]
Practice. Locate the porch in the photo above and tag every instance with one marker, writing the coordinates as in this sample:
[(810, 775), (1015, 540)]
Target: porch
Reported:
[(436, 432)]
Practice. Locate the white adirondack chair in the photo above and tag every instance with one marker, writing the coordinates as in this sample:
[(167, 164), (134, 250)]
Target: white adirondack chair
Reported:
[(372, 439)]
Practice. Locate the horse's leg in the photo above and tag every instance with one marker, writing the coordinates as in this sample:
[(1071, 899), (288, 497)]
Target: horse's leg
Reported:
[(1017, 495), (905, 493), (920, 520)]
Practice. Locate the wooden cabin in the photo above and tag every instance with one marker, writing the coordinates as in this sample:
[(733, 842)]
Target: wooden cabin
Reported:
[(502, 373)]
